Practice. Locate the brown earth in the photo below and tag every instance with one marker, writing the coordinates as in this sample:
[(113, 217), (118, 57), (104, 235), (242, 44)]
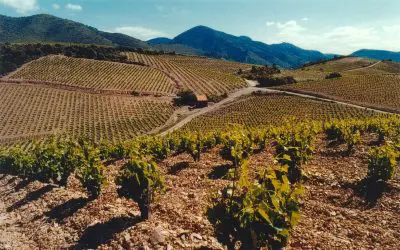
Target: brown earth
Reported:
[(335, 215)]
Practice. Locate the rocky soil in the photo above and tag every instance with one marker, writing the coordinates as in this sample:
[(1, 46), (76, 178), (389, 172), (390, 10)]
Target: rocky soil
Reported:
[(336, 213)]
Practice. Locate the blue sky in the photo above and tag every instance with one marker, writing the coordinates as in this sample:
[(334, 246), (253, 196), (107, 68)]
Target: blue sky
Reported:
[(331, 26)]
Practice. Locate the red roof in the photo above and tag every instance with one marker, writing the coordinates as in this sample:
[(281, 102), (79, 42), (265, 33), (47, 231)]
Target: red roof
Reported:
[(201, 98)]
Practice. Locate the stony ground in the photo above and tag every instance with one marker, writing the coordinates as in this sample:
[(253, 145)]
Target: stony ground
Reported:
[(335, 213)]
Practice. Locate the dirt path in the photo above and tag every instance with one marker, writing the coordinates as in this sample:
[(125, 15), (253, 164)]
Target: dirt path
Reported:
[(362, 68), (190, 115)]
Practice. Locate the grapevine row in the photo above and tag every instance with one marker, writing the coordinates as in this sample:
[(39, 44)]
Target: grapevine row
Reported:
[(31, 110), (261, 210), (97, 75)]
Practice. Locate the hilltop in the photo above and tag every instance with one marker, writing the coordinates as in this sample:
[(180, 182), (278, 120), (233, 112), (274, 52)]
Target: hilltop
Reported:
[(378, 54), (214, 43), (48, 28)]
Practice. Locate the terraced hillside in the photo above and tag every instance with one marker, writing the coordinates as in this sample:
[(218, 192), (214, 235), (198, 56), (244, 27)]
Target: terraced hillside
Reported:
[(340, 65), (271, 109), (369, 90), (203, 76), (96, 75), (35, 111), (222, 66), (383, 67)]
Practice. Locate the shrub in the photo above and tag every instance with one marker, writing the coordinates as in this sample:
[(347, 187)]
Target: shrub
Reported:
[(91, 172), (264, 211), (16, 161), (275, 81), (139, 180), (72, 158), (185, 97), (48, 158), (194, 145), (344, 132), (333, 75), (217, 98), (237, 146), (382, 163), (294, 148), (159, 148)]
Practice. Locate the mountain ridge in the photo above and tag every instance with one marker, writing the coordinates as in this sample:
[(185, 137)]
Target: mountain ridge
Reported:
[(378, 54), (219, 44), (48, 28), (199, 40)]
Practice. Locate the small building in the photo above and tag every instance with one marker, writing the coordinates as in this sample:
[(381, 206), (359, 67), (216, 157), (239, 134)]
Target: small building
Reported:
[(201, 101)]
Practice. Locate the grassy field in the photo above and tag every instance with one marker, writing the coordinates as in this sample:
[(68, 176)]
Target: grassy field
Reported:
[(370, 90), (33, 111), (96, 75), (272, 109)]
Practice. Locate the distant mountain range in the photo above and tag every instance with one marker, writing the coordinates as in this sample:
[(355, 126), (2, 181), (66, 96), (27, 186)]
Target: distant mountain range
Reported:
[(217, 44), (378, 54), (199, 40)]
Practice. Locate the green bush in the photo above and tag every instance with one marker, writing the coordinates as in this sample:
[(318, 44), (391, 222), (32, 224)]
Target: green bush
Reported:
[(194, 145), (16, 161), (237, 146), (91, 172), (48, 158), (344, 132), (294, 148), (264, 211), (139, 180), (382, 163)]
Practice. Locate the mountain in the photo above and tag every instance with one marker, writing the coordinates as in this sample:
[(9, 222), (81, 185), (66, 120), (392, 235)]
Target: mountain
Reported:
[(160, 40), (49, 28), (199, 40), (217, 44), (378, 54)]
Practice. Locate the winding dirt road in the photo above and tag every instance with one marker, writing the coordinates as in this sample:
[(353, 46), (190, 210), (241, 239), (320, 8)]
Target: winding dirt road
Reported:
[(370, 66), (247, 91)]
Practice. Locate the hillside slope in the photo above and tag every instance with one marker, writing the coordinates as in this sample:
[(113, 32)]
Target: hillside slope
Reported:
[(53, 29), (217, 44)]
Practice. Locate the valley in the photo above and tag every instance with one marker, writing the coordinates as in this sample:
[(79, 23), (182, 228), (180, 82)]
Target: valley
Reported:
[(205, 140)]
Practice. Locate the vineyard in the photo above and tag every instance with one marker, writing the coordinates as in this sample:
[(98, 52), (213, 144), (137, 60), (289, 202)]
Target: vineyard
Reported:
[(270, 109), (96, 75), (203, 76), (33, 111), (384, 67), (347, 66), (297, 185), (375, 90), (222, 66), (344, 64)]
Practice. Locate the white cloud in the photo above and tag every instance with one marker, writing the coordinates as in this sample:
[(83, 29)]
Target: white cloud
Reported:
[(139, 32), (290, 28), (392, 28), (270, 23), (75, 7), (342, 39), (21, 6), (305, 19), (56, 6)]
